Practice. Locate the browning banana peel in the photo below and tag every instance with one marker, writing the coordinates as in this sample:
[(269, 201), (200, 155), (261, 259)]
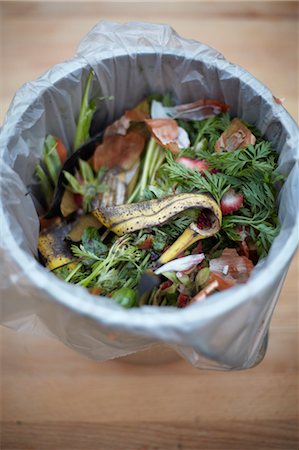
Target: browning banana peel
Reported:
[(191, 235), (127, 218), (53, 249), (184, 241)]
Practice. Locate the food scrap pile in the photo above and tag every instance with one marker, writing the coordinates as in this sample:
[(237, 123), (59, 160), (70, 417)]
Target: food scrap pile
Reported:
[(166, 206)]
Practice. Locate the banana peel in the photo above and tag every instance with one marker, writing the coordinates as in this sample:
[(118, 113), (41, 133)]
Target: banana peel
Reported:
[(191, 235), (53, 249), (128, 218)]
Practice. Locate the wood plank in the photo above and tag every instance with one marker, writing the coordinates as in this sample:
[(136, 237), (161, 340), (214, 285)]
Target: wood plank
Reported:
[(53, 398), (212, 9), (270, 435), (267, 46)]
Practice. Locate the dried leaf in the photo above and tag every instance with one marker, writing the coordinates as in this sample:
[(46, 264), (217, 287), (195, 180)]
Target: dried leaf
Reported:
[(77, 230), (121, 126), (165, 132), (239, 267), (68, 204), (236, 136), (199, 110), (118, 150)]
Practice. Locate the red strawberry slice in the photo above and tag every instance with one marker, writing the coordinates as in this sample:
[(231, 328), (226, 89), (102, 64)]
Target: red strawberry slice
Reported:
[(231, 201), (190, 163)]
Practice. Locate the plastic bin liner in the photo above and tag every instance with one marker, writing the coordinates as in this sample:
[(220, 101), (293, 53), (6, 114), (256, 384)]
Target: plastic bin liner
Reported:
[(130, 61)]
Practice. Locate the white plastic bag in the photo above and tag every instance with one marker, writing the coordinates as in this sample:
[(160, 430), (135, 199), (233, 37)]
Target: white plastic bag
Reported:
[(131, 61)]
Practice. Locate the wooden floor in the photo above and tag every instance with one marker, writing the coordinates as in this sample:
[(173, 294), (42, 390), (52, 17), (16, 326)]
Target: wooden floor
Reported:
[(55, 399)]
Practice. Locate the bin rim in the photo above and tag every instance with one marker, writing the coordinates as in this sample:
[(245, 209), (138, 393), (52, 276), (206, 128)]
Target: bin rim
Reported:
[(83, 303)]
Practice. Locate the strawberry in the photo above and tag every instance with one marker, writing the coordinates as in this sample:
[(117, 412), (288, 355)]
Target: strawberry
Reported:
[(190, 163), (231, 201)]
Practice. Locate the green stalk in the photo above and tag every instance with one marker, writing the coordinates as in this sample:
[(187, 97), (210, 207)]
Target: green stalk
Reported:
[(150, 152), (73, 272), (86, 112), (154, 157), (106, 263), (159, 161), (51, 158), (153, 163), (96, 271), (44, 183), (200, 134), (145, 169), (134, 194)]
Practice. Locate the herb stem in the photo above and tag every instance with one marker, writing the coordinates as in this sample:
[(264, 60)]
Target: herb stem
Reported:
[(160, 157), (73, 272), (45, 183), (252, 221), (95, 272), (134, 194), (85, 115), (150, 153), (104, 264), (201, 133), (51, 158)]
